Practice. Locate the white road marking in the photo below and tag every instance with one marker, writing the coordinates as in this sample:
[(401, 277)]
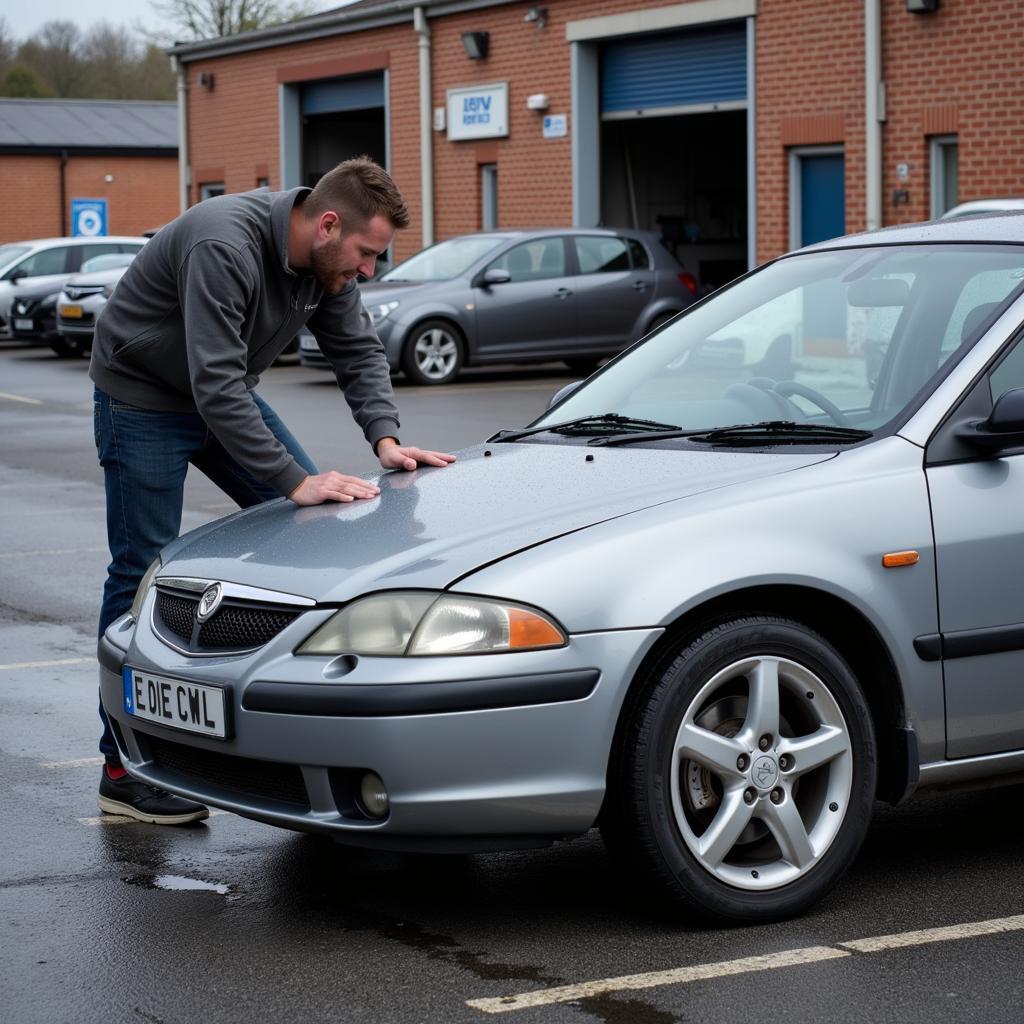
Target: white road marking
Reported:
[(46, 664), (787, 958), (81, 762), (50, 551), (123, 819), (651, 979), (20, 398), (970, 930)]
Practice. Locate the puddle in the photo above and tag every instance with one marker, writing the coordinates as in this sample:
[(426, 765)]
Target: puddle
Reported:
[(178, 883)]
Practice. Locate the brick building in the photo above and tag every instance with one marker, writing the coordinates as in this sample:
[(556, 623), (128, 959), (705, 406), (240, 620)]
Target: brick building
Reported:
[(55, 151), (738, 128)]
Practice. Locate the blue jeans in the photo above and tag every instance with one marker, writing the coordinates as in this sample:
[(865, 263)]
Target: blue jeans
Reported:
[(145, 455)]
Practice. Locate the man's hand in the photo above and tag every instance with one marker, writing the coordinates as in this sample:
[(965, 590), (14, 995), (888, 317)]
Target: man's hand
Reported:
[(395, 456), (315, 490)]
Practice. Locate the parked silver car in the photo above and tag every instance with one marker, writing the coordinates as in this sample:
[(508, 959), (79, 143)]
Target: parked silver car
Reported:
[(82, 300), (521, 296), (714, 611)]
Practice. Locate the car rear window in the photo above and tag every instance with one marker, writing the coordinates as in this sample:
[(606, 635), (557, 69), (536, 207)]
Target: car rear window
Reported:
[(638, 254), (601, 255)]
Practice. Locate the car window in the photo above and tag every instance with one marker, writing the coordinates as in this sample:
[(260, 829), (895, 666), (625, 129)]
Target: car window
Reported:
[(9, 253), (46, 261), (136, 247), (638, 254), (597, 255), (106, 261), (535, 260), (98, 249), (980, 298), (443, 261), (1009, 373)]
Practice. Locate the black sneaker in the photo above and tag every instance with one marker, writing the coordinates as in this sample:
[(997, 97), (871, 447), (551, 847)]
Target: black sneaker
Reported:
[(146, 803)]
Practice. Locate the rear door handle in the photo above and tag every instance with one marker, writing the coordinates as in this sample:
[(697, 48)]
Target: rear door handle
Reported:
[(640, 286), (562, 293)]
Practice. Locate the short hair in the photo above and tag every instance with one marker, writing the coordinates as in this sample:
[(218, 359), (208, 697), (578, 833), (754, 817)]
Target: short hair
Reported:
[(357, 190)]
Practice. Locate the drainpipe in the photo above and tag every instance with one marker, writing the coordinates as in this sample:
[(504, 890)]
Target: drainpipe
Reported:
[(874, 111), (183, 169), (419, 20)]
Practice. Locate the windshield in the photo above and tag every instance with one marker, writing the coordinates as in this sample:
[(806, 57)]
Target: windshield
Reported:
[(445, 260), (9, 253), (848, 337)]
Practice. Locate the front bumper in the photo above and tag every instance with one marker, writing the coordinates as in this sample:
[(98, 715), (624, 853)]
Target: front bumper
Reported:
[(476, 752)]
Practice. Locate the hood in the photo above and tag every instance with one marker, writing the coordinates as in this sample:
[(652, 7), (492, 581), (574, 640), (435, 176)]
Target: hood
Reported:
[(429, 528), (376, 292)]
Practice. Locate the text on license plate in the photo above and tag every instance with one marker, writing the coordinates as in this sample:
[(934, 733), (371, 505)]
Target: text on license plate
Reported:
[(175, 702), (71, 312), (23, 325)]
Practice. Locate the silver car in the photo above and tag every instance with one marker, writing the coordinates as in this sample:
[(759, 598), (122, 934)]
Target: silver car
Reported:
[(716, 601), (573, 294)]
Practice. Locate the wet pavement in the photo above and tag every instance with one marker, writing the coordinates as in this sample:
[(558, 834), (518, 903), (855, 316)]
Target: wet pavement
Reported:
[(231, 920)]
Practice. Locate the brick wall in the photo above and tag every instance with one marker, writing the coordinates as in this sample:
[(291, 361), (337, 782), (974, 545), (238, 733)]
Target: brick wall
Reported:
[(142, 195), (959, 68)]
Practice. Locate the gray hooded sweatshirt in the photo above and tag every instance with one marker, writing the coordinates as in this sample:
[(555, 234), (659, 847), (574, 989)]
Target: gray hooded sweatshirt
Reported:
[(208, 304)]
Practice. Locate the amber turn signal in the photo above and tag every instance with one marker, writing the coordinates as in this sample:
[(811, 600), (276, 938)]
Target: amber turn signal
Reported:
[(894, 559), (526, 629)]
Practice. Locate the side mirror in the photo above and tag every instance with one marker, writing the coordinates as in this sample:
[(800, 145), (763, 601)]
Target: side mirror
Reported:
[(1004, 427), (495, 276), (564, 392), (17, 275)]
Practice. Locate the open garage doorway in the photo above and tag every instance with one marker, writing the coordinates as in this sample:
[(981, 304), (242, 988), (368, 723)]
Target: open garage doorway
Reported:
[(684, 177), (342, 118)]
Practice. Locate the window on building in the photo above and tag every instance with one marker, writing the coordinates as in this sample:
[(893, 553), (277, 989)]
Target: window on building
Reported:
[(209, 189), (945, 173), (488, 196)]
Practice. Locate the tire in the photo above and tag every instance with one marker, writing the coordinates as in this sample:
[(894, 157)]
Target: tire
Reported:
[(433, 353), (69, 348), (584, 367), (734, 840)]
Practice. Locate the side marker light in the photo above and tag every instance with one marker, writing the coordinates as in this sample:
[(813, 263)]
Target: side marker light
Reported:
[(895, 559)]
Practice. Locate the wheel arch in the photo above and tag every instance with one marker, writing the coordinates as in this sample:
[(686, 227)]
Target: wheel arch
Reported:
[(846, 628), (445, 317)]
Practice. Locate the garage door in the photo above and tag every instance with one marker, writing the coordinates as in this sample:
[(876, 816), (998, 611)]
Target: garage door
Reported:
[(665, 73)]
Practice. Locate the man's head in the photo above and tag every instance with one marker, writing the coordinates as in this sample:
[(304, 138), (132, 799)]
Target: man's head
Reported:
[(346, 222)]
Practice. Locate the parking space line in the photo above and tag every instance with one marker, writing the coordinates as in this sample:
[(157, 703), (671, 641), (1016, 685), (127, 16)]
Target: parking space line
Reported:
[(81, 762), (651, 979), (45, 664), (21, 398), (123, 819), (50, 551), (970, 930), (747, 965)]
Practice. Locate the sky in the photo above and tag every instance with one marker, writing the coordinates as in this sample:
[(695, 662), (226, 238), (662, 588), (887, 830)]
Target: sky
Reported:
[(23, 17)]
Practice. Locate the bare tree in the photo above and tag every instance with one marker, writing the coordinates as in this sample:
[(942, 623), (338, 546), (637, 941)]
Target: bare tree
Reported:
[(209, 19), (53, 54)]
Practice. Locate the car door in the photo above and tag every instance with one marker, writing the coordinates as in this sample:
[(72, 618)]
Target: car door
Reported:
[(534, 312), (976, 501), (44, 266), (611, 292)]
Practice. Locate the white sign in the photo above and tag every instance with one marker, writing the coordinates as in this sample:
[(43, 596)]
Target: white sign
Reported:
[(478, 112), (556, 126)]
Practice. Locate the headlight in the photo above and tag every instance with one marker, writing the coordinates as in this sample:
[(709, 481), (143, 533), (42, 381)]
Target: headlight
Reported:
[(109, 290), (140, 594), (418, 623), (381, 310)]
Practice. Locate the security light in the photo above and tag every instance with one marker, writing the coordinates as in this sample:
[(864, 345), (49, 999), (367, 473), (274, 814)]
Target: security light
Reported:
[(476, 44)]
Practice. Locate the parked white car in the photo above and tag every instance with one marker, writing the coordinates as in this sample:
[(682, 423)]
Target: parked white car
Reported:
[(51, 261)]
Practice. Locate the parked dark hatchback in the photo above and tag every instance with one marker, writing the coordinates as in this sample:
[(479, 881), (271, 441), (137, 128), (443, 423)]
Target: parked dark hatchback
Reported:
[(522, 296)]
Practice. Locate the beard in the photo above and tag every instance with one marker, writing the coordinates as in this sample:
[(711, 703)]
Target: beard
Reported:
[(323, 262)]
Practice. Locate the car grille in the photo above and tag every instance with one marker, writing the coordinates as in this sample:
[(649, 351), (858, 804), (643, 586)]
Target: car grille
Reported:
[(266, 780), (80, 292), (236, 626)]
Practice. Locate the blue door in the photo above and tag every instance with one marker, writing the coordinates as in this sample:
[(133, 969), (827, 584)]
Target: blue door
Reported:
[(822, 197)]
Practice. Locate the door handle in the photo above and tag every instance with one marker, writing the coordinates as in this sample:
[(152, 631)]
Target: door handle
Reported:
[(562, 293), (640, 286)]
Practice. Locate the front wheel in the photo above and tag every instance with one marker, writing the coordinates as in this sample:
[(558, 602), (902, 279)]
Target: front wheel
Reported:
[(433, 353), (744, 773)]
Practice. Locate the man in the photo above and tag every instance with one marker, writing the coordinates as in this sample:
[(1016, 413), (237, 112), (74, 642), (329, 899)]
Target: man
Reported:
[(207, 306)]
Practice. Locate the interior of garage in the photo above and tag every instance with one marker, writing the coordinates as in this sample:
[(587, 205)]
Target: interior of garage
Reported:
[(673, 143), (685, 177)]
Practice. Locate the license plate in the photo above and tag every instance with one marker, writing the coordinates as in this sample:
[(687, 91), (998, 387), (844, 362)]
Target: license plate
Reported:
[(23, 325), (176, 703), (71, 312)]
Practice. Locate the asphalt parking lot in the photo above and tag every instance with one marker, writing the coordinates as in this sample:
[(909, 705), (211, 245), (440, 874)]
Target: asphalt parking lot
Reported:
[(108, 920)]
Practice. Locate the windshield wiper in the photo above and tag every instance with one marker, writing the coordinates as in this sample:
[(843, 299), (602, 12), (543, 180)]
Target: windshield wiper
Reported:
[(590, 426), (753, 434)]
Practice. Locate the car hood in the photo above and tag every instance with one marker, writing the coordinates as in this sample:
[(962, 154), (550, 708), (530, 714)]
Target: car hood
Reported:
[(374, 292), (432, 527)]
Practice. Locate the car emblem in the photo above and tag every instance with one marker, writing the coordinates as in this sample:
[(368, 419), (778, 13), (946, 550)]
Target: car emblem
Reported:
[(209, 602), (765, 772)]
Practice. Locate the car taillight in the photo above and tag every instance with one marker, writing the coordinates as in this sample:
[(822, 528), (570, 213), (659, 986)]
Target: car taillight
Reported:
[(687, 280)]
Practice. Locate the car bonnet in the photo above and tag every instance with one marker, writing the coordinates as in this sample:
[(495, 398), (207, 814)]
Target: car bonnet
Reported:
[(429, 528)]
